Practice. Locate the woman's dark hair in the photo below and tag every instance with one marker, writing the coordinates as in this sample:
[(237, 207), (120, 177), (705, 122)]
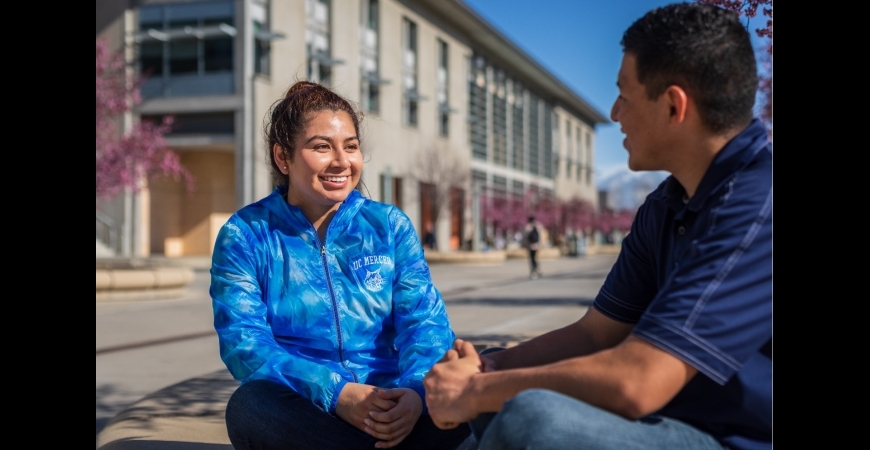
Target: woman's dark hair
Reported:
[(290, 115), (705, 50)]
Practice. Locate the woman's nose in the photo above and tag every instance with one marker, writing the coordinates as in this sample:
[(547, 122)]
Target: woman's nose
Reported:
[(340, 159)]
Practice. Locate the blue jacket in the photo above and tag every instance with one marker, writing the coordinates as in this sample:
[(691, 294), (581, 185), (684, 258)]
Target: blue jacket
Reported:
[(360, 307)]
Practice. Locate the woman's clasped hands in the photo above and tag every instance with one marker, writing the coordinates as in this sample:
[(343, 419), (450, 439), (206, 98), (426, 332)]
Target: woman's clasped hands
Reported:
[(386, 414)]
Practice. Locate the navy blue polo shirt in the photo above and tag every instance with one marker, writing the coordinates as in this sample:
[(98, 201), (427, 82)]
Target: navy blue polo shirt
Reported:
[(696, 277)]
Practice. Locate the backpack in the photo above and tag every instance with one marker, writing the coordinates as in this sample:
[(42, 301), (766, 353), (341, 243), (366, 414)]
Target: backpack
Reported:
[(533, 236)]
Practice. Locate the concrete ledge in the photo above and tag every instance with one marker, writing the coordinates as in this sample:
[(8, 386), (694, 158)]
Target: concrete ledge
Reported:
[(130, 295), (606, 249), (491, 257), (142, 283), (157, 278), (185, 416)]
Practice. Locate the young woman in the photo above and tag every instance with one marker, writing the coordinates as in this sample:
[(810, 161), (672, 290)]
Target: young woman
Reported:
[(323, 302)]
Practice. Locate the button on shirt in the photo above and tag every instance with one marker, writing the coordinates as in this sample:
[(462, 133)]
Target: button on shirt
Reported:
[(696, 277)]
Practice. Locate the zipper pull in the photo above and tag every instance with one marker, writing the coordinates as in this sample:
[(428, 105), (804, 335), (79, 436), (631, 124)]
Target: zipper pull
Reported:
[(323, 250)]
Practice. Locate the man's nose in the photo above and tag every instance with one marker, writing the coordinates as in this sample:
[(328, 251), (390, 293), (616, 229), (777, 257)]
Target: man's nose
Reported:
[(614, 111)]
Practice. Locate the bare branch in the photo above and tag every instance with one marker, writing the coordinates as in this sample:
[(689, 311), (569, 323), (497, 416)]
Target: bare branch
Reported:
[(441, 168)]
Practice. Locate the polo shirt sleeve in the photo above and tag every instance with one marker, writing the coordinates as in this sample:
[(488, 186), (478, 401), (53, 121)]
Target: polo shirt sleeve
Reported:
[(631, 283), (715, 309)]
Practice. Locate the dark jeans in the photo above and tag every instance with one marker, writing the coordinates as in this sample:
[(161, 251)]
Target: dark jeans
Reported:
[(533, 260), (266, 415)]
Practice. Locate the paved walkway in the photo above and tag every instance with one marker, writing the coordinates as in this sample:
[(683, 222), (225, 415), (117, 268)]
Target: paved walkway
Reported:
[(145, 346)]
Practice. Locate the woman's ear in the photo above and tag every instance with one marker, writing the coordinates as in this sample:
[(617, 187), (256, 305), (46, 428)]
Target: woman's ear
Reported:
[(281, 159)]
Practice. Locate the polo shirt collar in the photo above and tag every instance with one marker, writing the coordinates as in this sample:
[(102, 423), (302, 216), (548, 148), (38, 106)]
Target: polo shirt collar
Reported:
[(738, 152)]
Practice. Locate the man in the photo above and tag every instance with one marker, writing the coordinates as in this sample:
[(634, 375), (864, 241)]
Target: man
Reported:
[(676, 351), (533, 243)]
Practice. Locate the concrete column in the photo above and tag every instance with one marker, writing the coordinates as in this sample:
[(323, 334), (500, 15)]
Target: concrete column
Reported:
[(244, 133)]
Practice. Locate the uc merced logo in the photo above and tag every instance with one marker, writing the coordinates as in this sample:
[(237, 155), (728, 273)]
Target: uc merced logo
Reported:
[(374, 281)]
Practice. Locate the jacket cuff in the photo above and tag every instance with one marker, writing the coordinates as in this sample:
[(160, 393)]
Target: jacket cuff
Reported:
[(333, 403), (417, 386)]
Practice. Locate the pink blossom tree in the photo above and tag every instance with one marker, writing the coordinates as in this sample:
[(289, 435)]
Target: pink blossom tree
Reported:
[(577, 214), (125, 158), (750, 9)]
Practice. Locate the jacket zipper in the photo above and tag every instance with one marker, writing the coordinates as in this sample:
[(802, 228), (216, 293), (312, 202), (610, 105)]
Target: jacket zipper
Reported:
[(335, 312)]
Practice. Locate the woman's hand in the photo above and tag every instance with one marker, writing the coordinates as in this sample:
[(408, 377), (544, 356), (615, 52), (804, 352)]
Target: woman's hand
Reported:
[(394, 425), (356, 401)]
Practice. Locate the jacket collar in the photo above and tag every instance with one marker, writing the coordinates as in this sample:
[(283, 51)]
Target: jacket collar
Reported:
[(277, 204)]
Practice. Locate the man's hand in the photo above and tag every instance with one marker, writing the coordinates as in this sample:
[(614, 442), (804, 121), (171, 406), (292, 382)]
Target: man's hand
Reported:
[(356, 401), (394, 425), (447, 386)]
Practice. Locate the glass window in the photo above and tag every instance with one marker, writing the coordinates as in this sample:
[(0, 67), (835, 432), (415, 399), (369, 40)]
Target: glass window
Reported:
[(183, 57), (477, 124), (547, 133), (499, 120), (588, 158), (442, 88), (218, 55), (534, 133), (188, 41), (151, 58), (317, 41), (369, 58), (393, 195), (518, 126), (409, 71), (262, 50)]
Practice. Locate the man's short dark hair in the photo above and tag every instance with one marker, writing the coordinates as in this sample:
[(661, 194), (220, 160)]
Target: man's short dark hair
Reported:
[(703, 49)]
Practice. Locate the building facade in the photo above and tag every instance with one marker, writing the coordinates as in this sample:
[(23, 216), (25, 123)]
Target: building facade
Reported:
[(432, 78)]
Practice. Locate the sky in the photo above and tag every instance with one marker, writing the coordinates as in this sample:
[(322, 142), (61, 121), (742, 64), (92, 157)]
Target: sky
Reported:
[(577, 41)]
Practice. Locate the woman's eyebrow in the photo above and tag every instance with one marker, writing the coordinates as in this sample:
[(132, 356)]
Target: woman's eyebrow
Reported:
[(329, 139), (317, 136)]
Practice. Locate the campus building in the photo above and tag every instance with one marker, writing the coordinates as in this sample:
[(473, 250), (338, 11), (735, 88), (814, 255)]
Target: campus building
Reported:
[(432, 77)]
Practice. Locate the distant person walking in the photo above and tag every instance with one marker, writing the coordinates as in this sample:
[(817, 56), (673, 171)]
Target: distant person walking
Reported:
[(429, 236), (533, 243)]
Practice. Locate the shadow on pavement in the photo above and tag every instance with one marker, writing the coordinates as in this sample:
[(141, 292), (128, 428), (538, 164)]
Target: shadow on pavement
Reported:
[(191, 412), (101, 423), (133, 444)]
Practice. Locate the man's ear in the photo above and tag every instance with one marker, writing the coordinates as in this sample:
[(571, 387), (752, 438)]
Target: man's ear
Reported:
[(678, 102)]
